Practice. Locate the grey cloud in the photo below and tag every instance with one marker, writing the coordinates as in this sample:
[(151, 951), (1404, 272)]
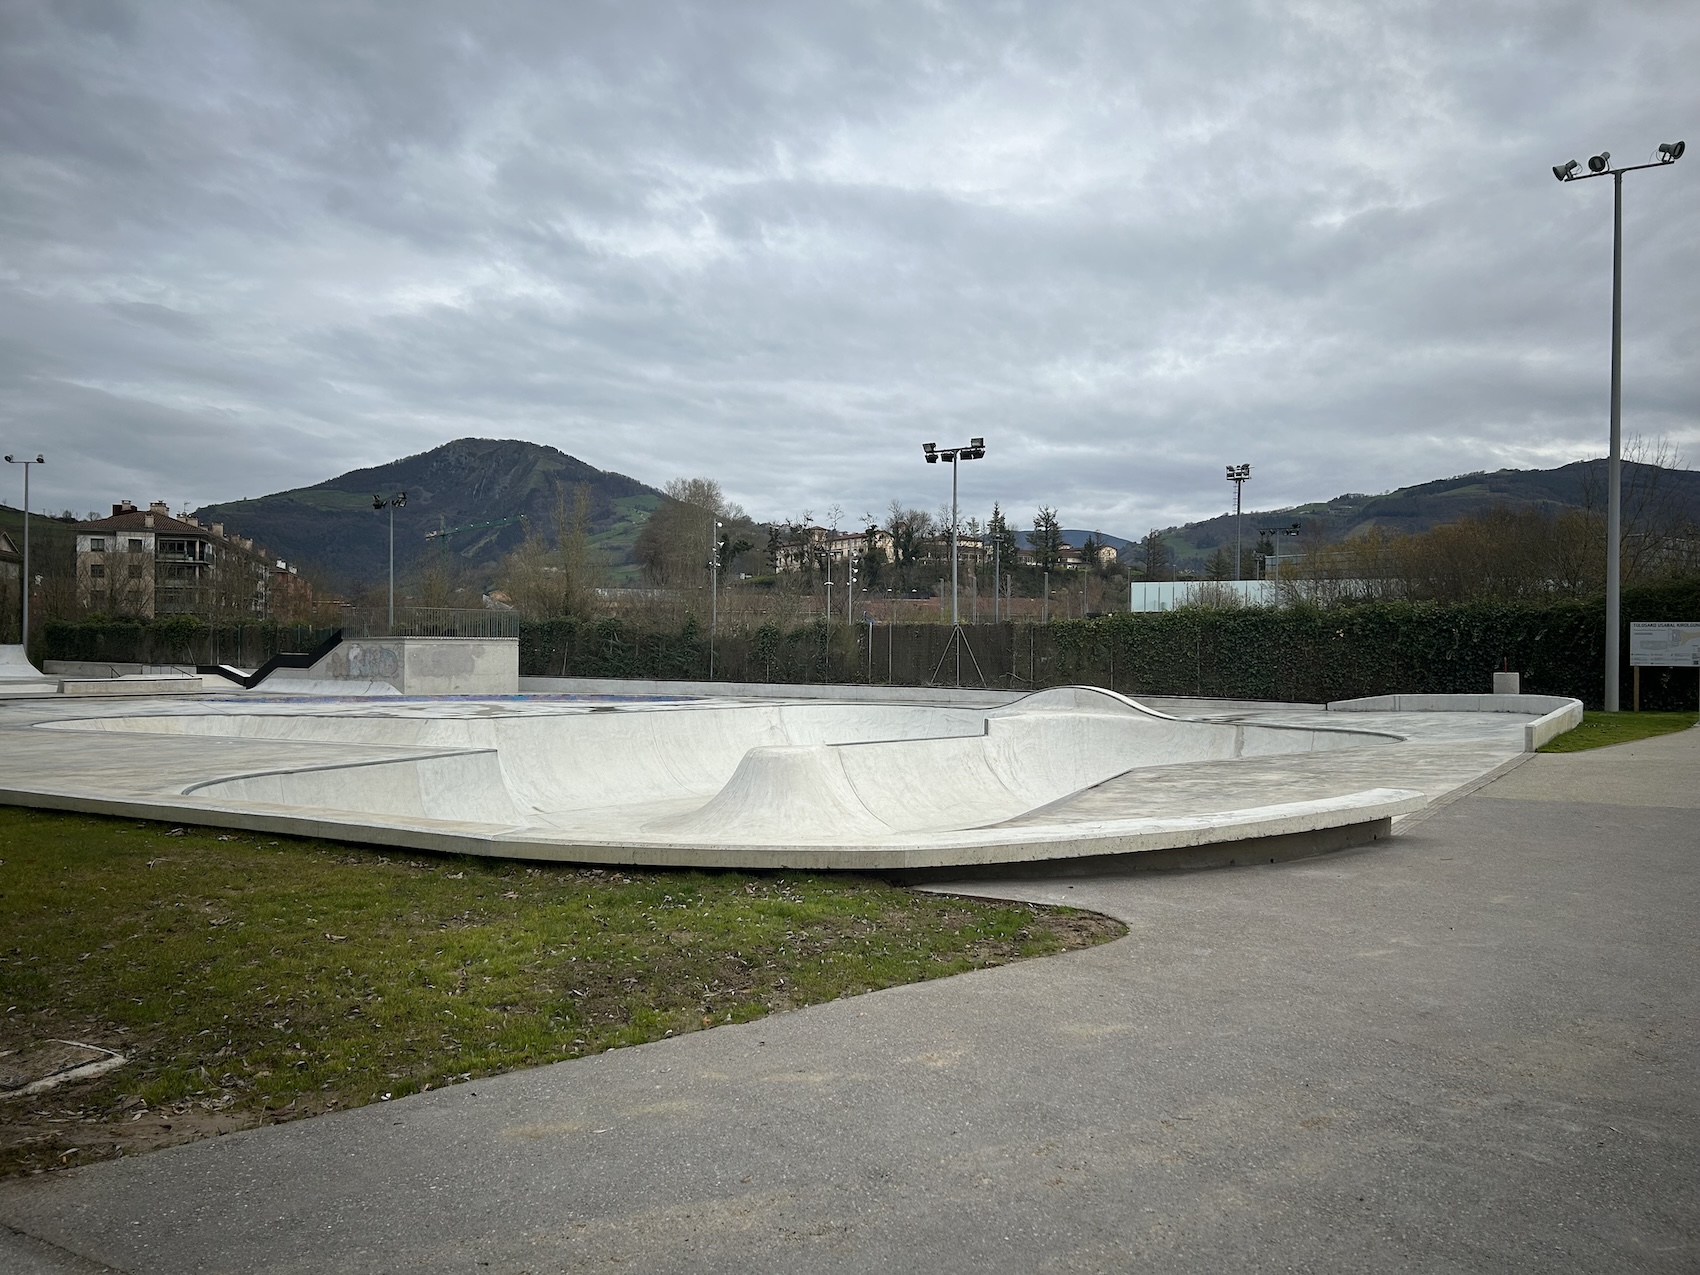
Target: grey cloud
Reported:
[(783, 245)]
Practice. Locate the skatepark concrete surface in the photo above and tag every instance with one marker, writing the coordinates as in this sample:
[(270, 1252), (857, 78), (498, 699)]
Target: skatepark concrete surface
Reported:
[(765, 782), (19, 677), (1474, 1047)]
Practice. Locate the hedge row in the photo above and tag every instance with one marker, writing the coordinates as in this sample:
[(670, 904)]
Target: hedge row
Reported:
[(1296, 654), (171, 639)]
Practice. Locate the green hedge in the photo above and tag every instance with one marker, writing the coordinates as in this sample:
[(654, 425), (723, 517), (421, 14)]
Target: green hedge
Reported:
[(1297, 654), (171, 639)]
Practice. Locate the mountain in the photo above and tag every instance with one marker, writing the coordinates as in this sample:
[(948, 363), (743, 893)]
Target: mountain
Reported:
[(1579, 485), (332, 531)]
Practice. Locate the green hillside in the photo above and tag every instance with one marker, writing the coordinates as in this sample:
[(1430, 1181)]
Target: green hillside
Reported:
[(1417, 508), (332, 530)]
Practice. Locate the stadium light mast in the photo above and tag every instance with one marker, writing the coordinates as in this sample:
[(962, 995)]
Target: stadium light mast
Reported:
[(392, 504), (1600, 166), (1239, 476), (975, 450), (24, 634)]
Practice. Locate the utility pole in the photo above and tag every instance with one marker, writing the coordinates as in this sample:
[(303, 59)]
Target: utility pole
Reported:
[(24, 636)]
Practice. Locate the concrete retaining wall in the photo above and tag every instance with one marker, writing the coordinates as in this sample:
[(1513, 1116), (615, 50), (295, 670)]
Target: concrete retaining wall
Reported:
[(1557, 714), (419, 665)]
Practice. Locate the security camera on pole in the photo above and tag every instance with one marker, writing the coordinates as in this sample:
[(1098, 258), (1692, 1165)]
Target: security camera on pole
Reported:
[(1600, 166), (975, 450)]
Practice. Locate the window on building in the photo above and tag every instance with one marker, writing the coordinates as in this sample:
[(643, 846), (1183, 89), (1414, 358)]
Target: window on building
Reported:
[(97, 544), (136, 571), (97, 572), (135, 546)]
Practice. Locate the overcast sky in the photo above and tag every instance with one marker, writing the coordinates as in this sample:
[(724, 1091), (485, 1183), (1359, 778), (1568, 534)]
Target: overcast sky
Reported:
[(244, 247)]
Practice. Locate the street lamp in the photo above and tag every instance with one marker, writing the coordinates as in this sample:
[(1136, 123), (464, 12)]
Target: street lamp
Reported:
[(975, 450), (1600, 166), (1238, 475), (392, 504), (26, 463), (1291, 529)]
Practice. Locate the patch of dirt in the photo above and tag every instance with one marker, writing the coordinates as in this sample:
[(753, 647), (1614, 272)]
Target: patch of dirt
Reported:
[(95, 1118), (38, 1135)]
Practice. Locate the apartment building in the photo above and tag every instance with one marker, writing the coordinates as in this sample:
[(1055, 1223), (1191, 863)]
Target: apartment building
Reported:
[(147, 563)]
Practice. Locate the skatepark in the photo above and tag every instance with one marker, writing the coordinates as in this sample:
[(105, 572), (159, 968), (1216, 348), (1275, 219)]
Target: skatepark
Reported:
[(1469, 1048), (891, 779)]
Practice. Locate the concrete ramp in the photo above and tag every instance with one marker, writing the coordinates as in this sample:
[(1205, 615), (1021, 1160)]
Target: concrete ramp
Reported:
[(18, 674), (767, 783), (1021, 762)]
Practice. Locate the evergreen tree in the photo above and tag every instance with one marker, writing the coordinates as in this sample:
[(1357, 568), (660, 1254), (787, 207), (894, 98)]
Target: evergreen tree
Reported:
[(1047, 539)]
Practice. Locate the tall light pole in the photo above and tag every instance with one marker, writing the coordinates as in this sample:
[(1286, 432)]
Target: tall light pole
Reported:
[(1600, 166), (1238, 475), (24, 635), (975, 450), (1291, 529), (392, 504), (713, 594)]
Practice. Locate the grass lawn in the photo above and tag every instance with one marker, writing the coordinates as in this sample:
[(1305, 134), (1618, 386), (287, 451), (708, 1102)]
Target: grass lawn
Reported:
[(1599, 729), (252, 979)]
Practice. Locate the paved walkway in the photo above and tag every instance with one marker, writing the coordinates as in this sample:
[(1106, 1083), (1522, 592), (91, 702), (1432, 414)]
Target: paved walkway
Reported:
[(1473, 1048)]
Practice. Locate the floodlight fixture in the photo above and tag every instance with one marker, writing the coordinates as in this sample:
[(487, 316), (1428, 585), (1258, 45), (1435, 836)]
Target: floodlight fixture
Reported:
[(1600, 166), (1566, 170), (931, 451)]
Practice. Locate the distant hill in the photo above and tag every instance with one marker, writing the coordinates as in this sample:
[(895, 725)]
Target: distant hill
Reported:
[(331, 529), (1426, 505), (1074, 538)]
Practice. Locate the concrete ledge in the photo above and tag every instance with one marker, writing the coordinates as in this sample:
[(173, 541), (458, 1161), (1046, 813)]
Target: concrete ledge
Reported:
[(109, 669), (1557, 714), (851, 692), (1534, 704), (1554, 724), (132, 684)]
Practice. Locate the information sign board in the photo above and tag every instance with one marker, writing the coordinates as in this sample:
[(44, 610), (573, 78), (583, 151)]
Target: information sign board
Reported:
[(1664, 645)]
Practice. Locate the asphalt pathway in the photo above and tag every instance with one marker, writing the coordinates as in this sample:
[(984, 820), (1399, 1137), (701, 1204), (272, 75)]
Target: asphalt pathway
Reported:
[(1475, 1047)]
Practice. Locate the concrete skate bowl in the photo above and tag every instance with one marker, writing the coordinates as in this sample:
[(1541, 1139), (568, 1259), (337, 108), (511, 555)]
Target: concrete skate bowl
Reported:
[(755, 784)]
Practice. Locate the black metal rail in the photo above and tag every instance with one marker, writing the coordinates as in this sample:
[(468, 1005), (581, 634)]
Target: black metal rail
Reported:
[(248, 681)]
